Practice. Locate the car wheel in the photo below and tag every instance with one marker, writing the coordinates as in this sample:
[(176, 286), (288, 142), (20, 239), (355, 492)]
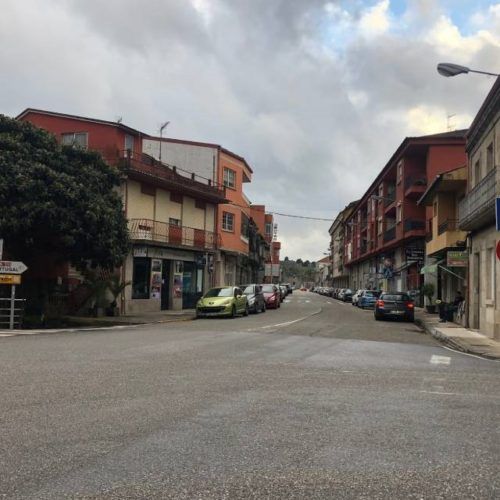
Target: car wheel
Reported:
[(245, 312), (377, 317), (264, 307), (410, 319), (233, 312)]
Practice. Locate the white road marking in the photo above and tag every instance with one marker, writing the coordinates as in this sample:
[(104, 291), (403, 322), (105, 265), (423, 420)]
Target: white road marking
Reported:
[(440, 393), (7, 334), (468, 354), (440, 360)]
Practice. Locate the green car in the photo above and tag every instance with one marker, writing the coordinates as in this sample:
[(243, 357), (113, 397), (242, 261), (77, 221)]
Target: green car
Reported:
[(223, 301)]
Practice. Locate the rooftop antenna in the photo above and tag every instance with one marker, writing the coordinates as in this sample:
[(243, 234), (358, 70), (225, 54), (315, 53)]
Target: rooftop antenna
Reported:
[(119, 119), (448, 122), (164, 126)]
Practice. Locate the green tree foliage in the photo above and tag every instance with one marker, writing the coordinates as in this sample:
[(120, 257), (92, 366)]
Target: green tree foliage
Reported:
[(58, 200)]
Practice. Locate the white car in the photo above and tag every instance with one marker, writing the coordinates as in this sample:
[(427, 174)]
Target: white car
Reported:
[(356, 297)]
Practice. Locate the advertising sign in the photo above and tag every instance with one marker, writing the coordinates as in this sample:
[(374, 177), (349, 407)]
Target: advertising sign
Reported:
[(10, 279), (268, 271), (413, 253), (457, 259), (156, 268), (276, 270)]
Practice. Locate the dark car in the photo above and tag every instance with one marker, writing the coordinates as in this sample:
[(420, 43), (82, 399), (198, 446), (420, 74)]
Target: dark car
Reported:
[(272, 295), (394, 305), (255, 298)]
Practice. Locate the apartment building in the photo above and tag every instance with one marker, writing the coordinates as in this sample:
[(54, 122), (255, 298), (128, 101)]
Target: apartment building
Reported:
[(236, 257), (172, 216), (385, 234), (445, 249), (476, 214), (340, 275)]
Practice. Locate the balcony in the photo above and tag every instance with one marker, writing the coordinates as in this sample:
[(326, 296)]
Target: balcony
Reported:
[(477, 209), (415, 187), (390, 234), (145, 168), (414, 225), (445, 235), (179, 236)]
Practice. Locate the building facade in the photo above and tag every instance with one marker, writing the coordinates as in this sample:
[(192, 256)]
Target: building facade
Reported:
[(172, 217), (477, 215), (385, 234), (339, 272)]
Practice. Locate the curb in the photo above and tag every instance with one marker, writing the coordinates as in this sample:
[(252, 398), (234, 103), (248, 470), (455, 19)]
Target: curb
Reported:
[(83, 328), (453, 344)]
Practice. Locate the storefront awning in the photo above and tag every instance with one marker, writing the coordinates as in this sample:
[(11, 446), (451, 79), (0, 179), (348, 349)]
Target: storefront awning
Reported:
[(429, 269)]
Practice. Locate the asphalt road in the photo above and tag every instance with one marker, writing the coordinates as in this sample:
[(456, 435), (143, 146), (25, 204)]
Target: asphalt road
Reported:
[(314, 400)]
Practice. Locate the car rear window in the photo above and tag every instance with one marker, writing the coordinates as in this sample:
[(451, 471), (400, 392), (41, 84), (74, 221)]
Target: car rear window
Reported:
[(395, 296), (369, 293)]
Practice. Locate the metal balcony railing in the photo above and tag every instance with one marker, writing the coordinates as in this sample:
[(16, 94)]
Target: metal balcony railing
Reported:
[(478, 206), (448, 225), (413, 225), (390, 234), (161, 232)]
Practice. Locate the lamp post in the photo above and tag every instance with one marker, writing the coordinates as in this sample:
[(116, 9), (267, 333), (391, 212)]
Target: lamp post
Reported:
[(164, 126), (450, 69)]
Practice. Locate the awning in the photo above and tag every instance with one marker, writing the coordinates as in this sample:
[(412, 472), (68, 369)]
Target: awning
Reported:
[(429, 269)]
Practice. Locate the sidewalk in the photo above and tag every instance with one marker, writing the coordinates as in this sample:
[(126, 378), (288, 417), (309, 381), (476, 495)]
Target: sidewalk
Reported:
[(457, 337)]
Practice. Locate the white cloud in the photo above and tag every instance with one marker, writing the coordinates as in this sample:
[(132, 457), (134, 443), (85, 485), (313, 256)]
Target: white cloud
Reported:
[(375, 20)]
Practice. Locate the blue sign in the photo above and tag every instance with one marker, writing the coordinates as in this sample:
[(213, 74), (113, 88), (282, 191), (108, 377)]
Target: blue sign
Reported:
[(497, 212)]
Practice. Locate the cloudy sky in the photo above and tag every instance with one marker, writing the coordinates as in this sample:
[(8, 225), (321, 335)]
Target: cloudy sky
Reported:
[(315, 94)]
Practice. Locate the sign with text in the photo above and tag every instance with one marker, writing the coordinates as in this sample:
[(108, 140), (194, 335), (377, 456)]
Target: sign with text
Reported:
[(12, 267), (10, 279), (457, 259)]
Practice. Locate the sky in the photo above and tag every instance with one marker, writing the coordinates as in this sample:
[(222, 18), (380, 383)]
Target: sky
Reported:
[(315, 94)]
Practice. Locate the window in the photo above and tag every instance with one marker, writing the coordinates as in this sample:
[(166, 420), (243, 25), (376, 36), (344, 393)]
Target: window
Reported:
[(400, 171), (75, 139), (489, 158), (174, 222), (244, 225), (141, 278), (229, 178), (200, 204), (148, 189), (129, 142), (228, 221), (379, 225), (477, 172), (399, 213), (269, 228), (176, 197)]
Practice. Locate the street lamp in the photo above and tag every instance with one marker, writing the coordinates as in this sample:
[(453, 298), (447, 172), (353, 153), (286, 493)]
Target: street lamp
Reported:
[(450, 69), (165, 125)]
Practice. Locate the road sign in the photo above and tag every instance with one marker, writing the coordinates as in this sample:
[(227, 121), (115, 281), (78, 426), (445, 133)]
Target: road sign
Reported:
[(10, 279), (497, 212), (12, 267), (498, 250)]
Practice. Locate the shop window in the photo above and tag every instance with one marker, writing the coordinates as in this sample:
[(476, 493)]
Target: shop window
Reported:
[(141, 278)]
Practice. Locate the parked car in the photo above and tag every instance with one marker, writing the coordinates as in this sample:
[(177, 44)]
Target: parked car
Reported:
[(356, 296), (289, 287), (222, 301), (394, 305), (340, 294), (347, 295), (272, 296), (283, 292), (368, 299), (255, 298)]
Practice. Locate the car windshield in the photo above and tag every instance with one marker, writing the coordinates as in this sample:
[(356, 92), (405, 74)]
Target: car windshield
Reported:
[(369, 293), (395, 296), (220, 292), (249, 290), (268, 288)]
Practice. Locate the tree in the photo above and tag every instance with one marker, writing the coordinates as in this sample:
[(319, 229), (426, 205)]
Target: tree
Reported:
[(58, 200)]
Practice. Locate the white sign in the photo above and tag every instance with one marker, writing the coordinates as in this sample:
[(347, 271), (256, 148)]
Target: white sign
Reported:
[(12, 267)]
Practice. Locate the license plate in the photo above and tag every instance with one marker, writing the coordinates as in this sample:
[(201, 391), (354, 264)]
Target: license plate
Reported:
[(397, 312)]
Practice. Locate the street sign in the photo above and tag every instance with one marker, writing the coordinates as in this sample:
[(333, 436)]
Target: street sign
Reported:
[(497, 212), (12, 267), (457, 259), (10, 279)]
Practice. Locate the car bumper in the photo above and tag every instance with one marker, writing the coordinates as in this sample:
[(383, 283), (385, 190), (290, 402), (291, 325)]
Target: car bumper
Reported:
[(217, 311)]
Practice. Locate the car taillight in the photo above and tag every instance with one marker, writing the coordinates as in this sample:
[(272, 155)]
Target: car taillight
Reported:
[(410, 305), (380, 303)]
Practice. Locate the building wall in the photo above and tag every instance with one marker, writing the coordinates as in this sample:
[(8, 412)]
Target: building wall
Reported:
[(198, 158), (484, 270)]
